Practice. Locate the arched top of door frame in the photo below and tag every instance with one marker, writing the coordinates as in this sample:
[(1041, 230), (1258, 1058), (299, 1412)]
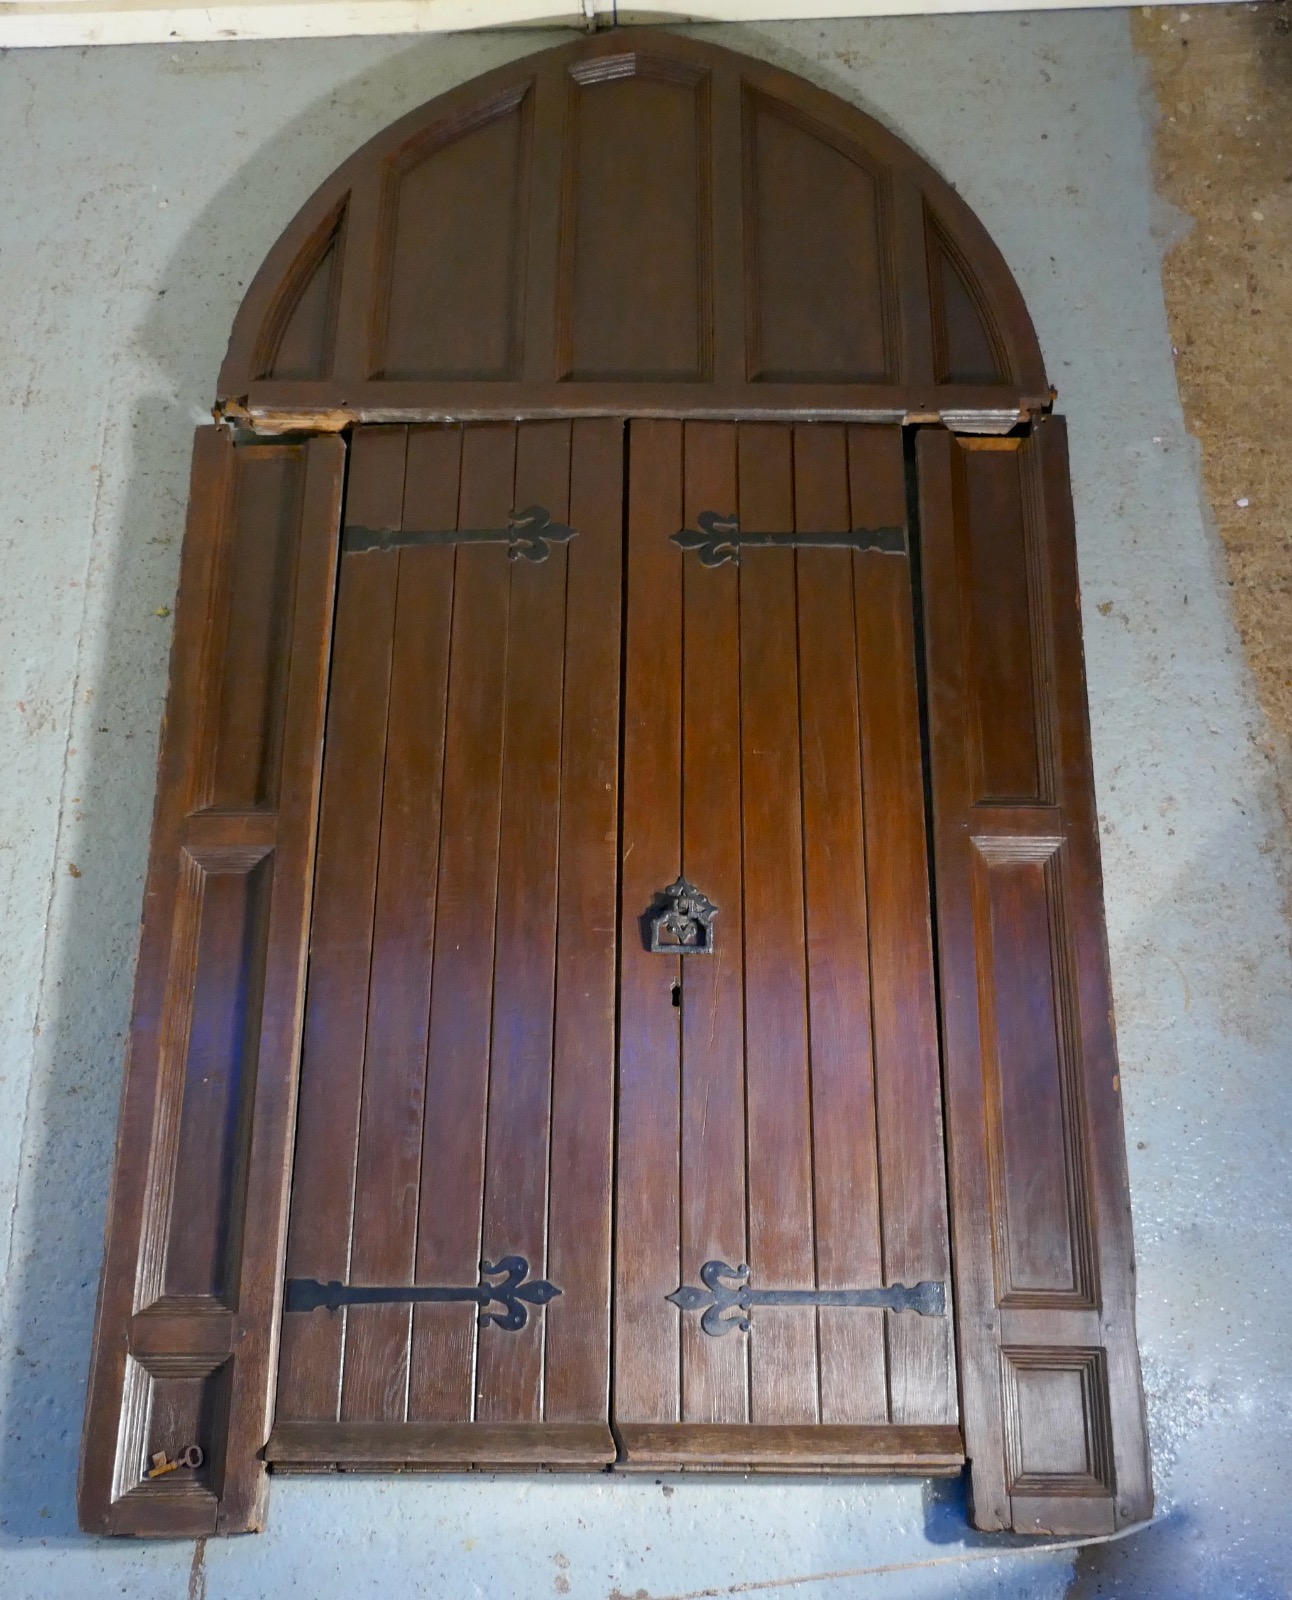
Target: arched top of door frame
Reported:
[(635, 223)]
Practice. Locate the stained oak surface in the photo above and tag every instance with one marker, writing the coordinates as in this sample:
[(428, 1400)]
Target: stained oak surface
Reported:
[(779, 1100), (460, 1067), (456, 1102), (634, 224), (1053, 1409), (489, 1061)]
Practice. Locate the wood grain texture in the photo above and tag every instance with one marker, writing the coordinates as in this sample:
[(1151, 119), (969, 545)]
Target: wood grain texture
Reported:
[(451, 1446), (580, 1197), (784, 1446), (903, 1007), (647, 1383), (853, 1365), (341, 935), (782, 1223), (765, 1140), (185, 1339), (621, 216), (520, 755), (464, 952), (1053, 1425), (715, 1372), (509, 1372)]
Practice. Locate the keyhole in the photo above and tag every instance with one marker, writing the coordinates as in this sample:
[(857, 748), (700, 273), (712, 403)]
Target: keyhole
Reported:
[(677, 992)]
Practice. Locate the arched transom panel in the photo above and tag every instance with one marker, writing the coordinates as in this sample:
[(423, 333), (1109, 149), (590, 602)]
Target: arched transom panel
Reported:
[(634, 223)]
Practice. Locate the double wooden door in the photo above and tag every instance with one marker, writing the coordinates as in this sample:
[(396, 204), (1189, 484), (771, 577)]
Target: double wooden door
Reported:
[(587, 1169)]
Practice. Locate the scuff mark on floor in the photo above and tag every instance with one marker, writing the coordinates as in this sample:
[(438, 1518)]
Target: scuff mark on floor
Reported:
[(197, 1572)]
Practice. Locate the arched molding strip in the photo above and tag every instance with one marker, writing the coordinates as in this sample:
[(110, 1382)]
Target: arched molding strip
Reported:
[(634, 224)]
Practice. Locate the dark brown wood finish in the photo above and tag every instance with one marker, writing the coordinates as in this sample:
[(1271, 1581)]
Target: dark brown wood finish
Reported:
[(1053, 1409), (634, 224), (456, 1077), (186, 1335), (702, 285), (781, 1119)]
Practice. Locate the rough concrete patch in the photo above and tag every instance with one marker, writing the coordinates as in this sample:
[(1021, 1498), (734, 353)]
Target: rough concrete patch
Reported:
[(1222, 76)]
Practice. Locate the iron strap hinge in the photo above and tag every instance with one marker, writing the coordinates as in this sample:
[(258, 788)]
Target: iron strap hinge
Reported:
[(726, 1305), (529, 535), (720, 539), (309, 1294)]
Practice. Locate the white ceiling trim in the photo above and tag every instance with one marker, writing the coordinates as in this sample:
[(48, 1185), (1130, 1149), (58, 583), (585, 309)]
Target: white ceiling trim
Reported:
[(25, 23)]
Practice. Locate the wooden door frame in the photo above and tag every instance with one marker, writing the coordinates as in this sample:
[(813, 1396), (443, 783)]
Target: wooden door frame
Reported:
[(1052, 1405)]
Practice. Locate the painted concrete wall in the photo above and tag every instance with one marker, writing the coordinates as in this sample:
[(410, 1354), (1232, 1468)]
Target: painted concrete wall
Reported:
[(140, 189)]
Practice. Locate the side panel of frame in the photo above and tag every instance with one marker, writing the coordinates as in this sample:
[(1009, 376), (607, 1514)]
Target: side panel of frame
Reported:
[(1044, 1267), (184, 1347)]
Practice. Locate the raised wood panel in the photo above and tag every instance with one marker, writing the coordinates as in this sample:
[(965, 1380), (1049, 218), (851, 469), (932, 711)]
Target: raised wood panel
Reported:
[(1032, 1062), (635, 224), (1053, 1409), (818, 235), (635, 296), (185, 1337), (222, 918), (256, 581), (1058, 1434), (451, 267), (966, 345), (298, 339), (1009, 661)]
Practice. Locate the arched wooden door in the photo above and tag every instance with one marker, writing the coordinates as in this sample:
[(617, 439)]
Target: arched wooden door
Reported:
[(623, 975)]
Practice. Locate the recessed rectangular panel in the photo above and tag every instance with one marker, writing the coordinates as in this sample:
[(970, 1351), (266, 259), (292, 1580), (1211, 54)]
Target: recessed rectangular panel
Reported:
[(259, 581), (1004, 650), (1057, 1427), (228, 903), (821, 306), (454, 252), (635, 291), (1028, 1046)]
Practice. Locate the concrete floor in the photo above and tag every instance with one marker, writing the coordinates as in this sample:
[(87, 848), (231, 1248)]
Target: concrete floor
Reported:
[(141, 190)]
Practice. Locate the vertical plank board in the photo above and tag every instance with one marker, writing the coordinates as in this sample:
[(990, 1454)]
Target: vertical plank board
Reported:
[(394, 1080), (646, 1336), (783, 1357), (907, 1073), (442, 1377), (715, 1378), (341, 935), (845, 1156), (577, 1329), (509, 1369), (950, 754)]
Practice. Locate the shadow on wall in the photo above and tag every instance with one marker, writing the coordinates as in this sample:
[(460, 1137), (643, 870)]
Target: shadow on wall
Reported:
[(93, 938), (85, 1007)]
